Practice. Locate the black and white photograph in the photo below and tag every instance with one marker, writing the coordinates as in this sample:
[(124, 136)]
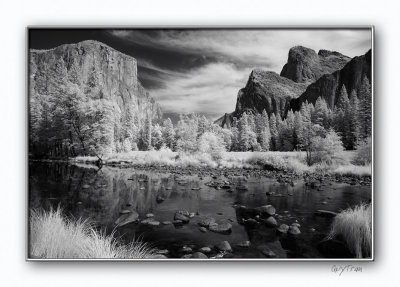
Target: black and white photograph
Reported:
[(192, 144)]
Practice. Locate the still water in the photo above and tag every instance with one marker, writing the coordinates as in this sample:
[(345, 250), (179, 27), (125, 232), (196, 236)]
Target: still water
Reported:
[(101, 194)]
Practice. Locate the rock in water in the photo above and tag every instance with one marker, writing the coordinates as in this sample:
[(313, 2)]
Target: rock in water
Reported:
[(270, 222), (181, 217), (294, 230), (205, 249), (183, 212), (203, 229), (205, 221), (283, 228), (125, 219), (220, 228), (224, 246), (199, 255), (267, 210), (153, 223)]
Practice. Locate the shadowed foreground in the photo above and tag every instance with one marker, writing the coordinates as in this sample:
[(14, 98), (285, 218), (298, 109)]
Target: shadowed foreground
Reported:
[(53, 236)]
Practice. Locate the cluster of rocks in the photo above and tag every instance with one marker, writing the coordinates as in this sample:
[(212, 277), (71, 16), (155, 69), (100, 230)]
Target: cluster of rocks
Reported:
[(266, 215), (283, 176)]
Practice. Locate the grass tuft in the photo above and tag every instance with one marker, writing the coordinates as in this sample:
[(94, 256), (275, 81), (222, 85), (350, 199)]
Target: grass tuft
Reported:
[(354, 225), (52, 236)]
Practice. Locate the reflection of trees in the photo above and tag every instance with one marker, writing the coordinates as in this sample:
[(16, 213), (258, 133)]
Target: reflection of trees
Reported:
[(103, 192)]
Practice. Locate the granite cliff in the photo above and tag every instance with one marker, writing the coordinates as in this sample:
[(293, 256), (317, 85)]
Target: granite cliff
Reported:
[(95, 72)]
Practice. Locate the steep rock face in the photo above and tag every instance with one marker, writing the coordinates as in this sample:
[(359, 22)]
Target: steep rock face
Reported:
[(269, 91), (328, 86), (304, 65), (96, 71), (225, 121)]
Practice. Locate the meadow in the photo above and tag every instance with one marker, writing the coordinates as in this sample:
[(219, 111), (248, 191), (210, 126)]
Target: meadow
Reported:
[(342, 164)]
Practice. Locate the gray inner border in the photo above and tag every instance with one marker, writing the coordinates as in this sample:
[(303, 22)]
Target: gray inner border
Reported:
[(202, 27)]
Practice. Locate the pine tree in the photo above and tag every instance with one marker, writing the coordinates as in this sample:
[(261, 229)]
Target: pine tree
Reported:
[(147, 133), (274, 132), (156, 136), (298, 129), (341, 116), (320, 114), (244, 130), (354, 121), (365, 97), (169, 134), (265, 133)]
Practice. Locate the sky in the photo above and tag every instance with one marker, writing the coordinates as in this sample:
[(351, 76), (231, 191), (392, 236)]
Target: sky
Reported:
[(202, 70)]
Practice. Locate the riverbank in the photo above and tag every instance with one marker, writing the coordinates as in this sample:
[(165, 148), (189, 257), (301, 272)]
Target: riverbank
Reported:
[(283, 165)]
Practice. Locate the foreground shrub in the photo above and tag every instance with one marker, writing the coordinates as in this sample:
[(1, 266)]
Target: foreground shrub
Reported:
[(53, 236), (354, 225)]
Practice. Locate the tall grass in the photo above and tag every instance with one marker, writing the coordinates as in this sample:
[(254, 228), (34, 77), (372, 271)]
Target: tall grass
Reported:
[(52, 236), (354, 225)]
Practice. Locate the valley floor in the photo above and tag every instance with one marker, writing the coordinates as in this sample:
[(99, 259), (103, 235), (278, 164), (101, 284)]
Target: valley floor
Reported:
[(277, 162)]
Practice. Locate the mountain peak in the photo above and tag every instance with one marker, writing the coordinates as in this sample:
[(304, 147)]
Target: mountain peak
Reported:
[(304, 65)]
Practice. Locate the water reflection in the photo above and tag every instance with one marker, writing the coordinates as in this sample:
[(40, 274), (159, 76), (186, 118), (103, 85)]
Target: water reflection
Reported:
[(101, 194)]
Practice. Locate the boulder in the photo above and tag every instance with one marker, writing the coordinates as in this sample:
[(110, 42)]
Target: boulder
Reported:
[(267, 210), (127, 218), (206, 221), (283, 228), (183, 212), (270, 222), (203, 229), (224, 246), (185, 249), (147, 220), (205, 249), (181, 217), (199, 255), (220, 228), (154, 223), (294, 230), (148, 215)]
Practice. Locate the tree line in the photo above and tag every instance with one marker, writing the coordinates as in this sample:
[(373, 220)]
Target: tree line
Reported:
[(70, 118)]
